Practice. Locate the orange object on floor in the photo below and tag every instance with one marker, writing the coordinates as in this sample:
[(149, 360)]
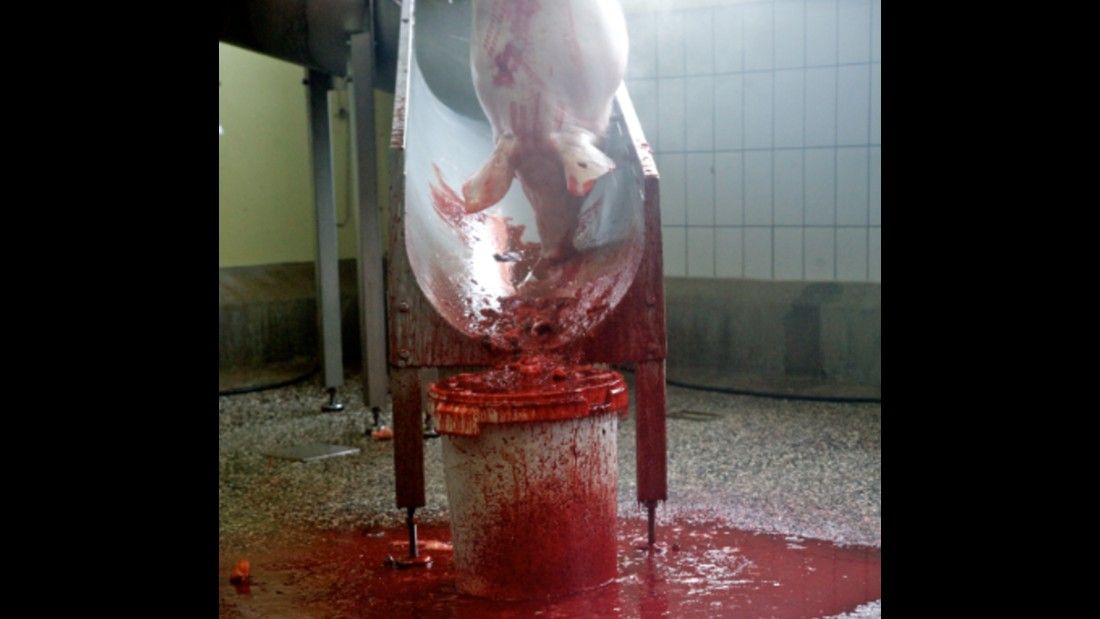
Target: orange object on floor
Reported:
[(241, 571)]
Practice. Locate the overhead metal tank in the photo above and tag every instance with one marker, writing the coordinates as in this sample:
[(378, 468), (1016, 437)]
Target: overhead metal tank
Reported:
[(314, 33)]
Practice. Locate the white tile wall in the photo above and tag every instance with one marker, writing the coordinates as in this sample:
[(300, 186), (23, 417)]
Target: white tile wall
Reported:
[(821, 32), (729, 116), (820, 186), (673, 189), (643, 92), (758, 188), (700, 252), (875, 186), (851, 254), (853, 118), (852, 186), (729, 45), (758, 253), (642, 30), (699, 111), (699, 42), (700, 188), (670, 109), (820, 106), (788, 253), (788, 189), (757, 35), (670, 43), (876, 30), (820, 253), (789, 107), (765, 116), (875, 254), (729, 186), (674, 250), (876, 103), (729, 252), (758, 110), (854, 31), (790, 35)]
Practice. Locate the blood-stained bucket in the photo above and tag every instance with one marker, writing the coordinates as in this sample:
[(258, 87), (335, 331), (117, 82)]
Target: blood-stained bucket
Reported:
[(529, 457)]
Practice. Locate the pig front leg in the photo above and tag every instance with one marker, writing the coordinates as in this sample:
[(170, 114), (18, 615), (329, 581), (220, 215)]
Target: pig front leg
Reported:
[(583, 163), (489, 184)]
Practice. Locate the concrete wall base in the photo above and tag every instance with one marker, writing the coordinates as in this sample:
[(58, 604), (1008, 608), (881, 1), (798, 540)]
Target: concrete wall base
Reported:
[(800, 338), (812, 339)]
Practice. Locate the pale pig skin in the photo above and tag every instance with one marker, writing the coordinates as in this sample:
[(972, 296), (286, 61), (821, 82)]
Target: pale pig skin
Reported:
[(546, 72)]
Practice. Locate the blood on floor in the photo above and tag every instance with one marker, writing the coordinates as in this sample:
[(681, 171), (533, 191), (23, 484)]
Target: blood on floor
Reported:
[(698, 569)]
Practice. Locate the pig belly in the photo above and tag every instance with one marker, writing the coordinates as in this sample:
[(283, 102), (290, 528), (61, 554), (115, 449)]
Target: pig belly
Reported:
[(546, 72), (543, 66)]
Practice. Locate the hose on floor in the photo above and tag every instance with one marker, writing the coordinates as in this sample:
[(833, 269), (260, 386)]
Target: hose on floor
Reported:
[(766, 394), (777, 396), (269, 386)]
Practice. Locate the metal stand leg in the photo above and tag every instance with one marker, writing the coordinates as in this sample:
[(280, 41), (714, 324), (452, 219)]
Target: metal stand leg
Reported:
[(651, 517), (408, 440), (410, 522), (327, 263), (649, 389), (372, 303), (408, 457), (333, 405)]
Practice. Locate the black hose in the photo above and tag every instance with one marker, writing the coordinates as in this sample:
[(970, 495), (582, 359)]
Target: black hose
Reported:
[(777, 396), (768, 394), (268, 386)]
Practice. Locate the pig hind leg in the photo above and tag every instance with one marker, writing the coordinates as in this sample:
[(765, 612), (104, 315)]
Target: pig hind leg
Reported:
[(557, 227), (556, 211)]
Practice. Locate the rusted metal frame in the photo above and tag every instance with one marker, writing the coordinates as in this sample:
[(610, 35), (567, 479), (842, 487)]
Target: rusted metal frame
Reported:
[(419, 337)]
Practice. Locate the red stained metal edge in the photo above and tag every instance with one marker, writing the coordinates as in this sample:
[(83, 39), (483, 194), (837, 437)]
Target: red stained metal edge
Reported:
[(461, 410)]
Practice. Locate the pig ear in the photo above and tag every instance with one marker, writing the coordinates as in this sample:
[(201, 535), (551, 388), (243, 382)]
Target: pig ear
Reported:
[(584, 163), (491, 182)]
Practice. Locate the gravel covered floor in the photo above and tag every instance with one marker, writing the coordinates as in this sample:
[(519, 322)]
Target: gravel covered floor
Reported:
[(802, 468)]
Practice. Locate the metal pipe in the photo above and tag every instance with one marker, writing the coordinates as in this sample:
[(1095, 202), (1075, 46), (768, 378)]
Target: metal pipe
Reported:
[(651, 509), (327, 264), (410, 522), (372, 296)]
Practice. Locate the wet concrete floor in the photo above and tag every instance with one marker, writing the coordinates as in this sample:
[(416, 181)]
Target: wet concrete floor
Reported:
[(773, 512)]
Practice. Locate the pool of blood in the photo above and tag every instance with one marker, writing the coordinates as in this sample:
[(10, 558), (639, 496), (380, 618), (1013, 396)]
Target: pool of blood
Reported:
[(699, 568)]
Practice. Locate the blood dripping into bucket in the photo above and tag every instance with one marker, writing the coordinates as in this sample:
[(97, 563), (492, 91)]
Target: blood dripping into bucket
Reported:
[(529, 446)]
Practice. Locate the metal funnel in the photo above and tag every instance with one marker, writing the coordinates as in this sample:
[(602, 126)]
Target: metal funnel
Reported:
[(481, 272)]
